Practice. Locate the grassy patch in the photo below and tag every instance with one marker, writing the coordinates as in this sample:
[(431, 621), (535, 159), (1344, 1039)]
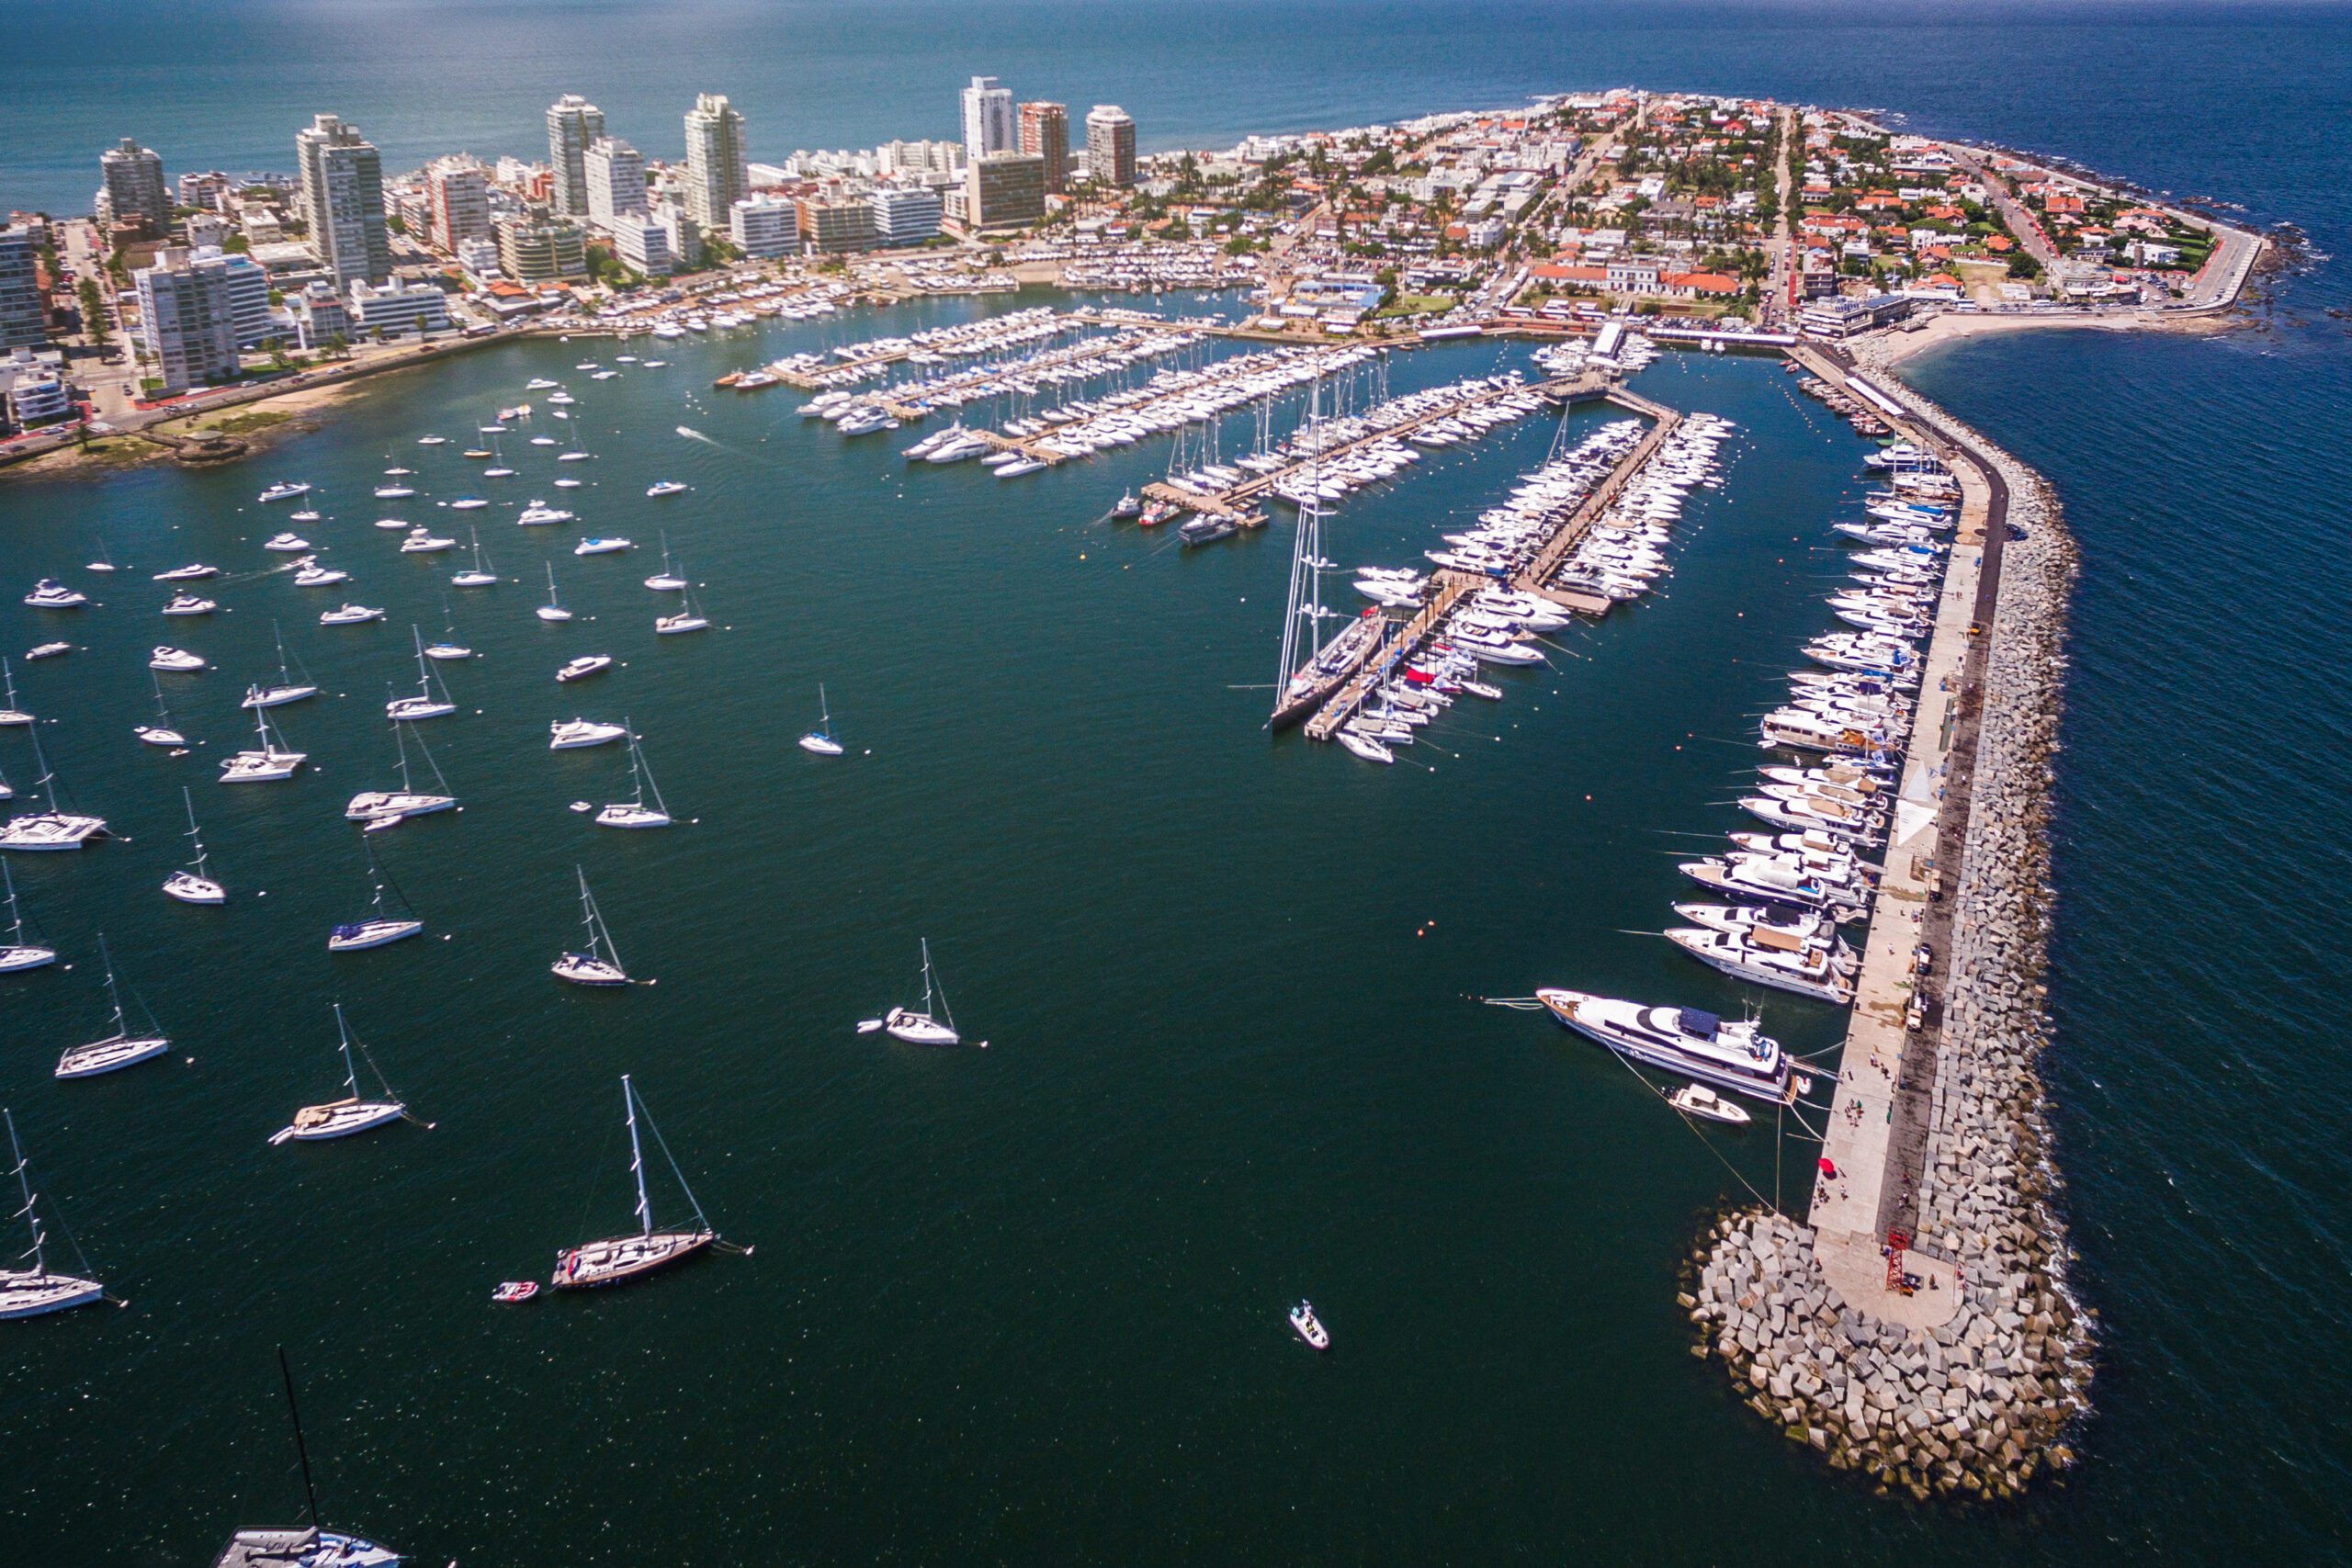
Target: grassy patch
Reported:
[(1418, 305), (246, 423)]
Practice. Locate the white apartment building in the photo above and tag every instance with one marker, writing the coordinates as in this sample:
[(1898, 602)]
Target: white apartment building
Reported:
[(718, 175), (988, 124), (615, 181), (186, 321), (905, 215)]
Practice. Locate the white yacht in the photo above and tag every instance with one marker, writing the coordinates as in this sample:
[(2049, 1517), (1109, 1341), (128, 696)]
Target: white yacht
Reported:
[(477, 575), (614, 1259), (288, 690), (16, 954), (664, 487), (1734, 1056), (32, 1292), (820, 739), (379, 929), (930, 1024), (286, 544), (189, 605), (580, 669), (1823, 971), (540, 515), (284, 492), (383, 808), (193, 882), (604, 545), (51, 594), (432, 699), (118, 1049), (309, 574), (553, 609), (576, 734), (352, 1114), (600, 964), (636, 812), (350, 615)]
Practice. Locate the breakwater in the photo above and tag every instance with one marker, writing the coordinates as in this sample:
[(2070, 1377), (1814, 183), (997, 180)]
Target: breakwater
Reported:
[(1954, 1361)]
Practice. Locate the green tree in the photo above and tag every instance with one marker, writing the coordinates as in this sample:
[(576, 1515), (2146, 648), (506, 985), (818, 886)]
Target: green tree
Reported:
[(93, 311)]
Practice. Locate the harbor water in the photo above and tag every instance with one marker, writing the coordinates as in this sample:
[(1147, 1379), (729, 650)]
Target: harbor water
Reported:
[(1025, 1304)]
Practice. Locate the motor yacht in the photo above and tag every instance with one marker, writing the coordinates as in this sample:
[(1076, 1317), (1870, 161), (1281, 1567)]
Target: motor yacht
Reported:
[(1686, 1040)]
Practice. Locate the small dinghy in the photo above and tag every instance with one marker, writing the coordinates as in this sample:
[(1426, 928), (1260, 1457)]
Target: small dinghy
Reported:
[(512, 1291), (1308, 1328), (1698, 1100)]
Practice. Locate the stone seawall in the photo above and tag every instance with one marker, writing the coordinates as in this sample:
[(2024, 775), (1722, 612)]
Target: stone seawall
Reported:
[(1981, 1403)]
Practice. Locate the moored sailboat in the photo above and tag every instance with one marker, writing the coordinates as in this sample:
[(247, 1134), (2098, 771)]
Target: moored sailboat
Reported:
[(120, 1048), (35, 1291), (191, 884), (352, 1114), (630, 1255), (600, 964)]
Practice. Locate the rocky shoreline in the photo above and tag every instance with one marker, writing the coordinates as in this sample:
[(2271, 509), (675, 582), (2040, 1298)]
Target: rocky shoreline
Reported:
[(1981, 1406)]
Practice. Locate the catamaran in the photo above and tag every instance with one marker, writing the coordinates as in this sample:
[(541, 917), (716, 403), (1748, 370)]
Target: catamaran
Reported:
[(29, 1292), (191, 884), (634, 812), (820, 739), (18, 953), (600, 964), (378, 928), (55, 829), (311, 1547), (382, 808), (118, 1049), (425, 704), (271, 762), (931, 1024), (341, 1118), (630, 1257), (553, 609)]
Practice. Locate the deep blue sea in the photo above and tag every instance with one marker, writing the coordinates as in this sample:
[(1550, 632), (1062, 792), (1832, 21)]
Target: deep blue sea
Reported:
[(1022, 1305)]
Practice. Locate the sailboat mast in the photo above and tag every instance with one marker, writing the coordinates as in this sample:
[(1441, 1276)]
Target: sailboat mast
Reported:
[(25, 1185), (302, 1450), (343, 1034), (636, 1158), (113, 995), (15, 914)]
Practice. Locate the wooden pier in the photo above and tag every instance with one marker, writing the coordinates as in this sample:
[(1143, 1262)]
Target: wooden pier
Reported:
[(1449, 587)]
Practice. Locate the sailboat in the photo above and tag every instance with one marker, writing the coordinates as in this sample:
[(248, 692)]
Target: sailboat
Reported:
[(272, 762), (477, 575), (29, 1292), (933, 1024), (553, 609), (448, 649), (667, 580), (498, 468), (161, 732), (54, 828), (382, 808), (117, 1050), (190, 885), (378, 928), (600, 964), (820, 739), (16, 952), (288, 690), (627, 1256), (635, 813), (310, 1547), (104, 561), (341, 1118), (689, 618), (11, 716), (424, 705)]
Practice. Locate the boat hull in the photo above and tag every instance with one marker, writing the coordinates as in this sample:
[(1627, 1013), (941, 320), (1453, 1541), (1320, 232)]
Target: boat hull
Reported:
[(110, 1056), (28, 1294), (619, 1260)]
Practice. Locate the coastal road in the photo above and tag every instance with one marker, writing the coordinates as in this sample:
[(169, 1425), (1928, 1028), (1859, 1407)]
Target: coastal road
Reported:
[(1776, 302)]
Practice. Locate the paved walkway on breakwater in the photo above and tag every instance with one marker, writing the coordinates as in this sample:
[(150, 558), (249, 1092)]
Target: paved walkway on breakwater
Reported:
[(1877, 1138)]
